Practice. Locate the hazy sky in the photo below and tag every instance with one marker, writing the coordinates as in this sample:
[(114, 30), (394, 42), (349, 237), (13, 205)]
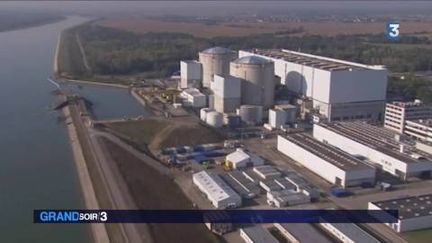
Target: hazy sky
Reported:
[(222, 7)]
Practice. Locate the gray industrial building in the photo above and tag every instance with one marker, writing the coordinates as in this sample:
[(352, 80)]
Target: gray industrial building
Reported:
[(340, 90), (348, 233), (302, 233), (378, 145), (332, 164), (415, 212), (257, 234)]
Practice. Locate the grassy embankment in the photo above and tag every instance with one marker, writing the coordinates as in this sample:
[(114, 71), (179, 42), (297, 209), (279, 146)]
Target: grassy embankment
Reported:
[(419, 236), (114, 231), (152, 190), (155, 133)]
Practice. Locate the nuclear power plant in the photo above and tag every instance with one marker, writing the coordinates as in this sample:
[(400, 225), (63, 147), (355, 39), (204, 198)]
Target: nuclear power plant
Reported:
[(215, 61), (315, 88)]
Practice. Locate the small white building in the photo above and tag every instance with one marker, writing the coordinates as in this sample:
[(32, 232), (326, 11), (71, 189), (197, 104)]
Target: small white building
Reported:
[(348, 232), (217, 191), (415, 213), (241, 159), (193, 97), (277, 117), (330, 163), (190, 74), (285, 198), (257, 234)]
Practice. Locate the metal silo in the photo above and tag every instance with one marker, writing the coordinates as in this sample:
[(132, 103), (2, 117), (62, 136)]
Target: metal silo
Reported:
[(251, 114), (203, 113), (258, 83), (215, 60), (214, 119)]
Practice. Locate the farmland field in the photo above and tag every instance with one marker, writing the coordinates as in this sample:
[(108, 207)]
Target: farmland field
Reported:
[(142, 25)]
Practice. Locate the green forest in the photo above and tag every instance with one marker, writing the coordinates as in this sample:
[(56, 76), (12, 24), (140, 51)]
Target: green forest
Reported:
[(113, 52)]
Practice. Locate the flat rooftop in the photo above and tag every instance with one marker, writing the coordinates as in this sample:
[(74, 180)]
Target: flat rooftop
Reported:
[(378, 138), (190, 61), (333, 155), (409, 207), (354, 232), (424, 122), (402, 104), (324, 63), (305, 233), (267, 170), (258, 234)]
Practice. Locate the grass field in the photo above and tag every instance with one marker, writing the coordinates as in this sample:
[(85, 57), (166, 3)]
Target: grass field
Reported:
[(142, 25), (157, 133), (419, 236), (69, 57)]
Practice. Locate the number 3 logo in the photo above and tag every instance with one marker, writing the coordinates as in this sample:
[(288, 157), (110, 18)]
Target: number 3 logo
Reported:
[(392, 31)]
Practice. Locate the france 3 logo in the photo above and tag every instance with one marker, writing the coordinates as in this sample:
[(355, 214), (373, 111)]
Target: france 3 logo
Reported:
[(392, 31)]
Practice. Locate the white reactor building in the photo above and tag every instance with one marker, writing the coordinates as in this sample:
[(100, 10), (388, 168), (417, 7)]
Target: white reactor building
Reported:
[(215, 60), (227, 93), (340, 90), (258, 84)]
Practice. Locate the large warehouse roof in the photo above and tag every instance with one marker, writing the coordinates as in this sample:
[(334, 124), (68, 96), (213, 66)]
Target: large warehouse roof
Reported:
[(408, 207), (337, 157), (354, 232), (304, 232), (215, 187), (324, 63), (258, 234), (375, 137)]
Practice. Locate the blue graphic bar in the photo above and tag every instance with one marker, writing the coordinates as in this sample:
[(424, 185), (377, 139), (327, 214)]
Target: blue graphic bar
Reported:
[(215, 216)]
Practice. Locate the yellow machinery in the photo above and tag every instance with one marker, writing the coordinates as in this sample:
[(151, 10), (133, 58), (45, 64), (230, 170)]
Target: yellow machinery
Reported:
[(168, 94), (227, 166)]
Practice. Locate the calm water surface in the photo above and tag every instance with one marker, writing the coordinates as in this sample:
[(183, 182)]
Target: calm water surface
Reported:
[(36, 163)]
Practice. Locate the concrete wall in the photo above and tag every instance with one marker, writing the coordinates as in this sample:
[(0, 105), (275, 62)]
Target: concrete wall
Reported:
[(357, 85), (348, 111), (190, 71), (314, 163), (277, 117), (227, 90), (415, 223), (226, 86)]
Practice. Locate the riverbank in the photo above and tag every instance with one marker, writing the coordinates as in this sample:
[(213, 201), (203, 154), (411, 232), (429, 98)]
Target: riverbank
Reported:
[(122, 86), (99, 231)]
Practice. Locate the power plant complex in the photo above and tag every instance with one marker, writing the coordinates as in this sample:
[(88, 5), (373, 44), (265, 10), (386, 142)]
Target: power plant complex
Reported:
[(324, 88), (329, 118)]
